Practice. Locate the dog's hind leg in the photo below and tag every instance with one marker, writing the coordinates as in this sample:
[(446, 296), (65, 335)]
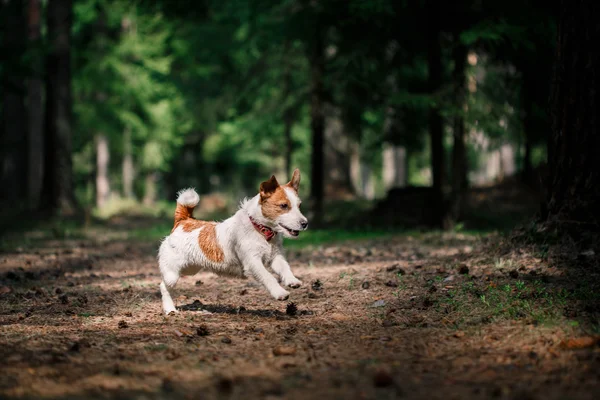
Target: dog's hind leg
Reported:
[(167, 289), (170, 270)]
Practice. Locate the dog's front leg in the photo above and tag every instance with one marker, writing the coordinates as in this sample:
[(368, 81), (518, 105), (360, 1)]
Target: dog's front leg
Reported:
[(282, 268), (260, 273)]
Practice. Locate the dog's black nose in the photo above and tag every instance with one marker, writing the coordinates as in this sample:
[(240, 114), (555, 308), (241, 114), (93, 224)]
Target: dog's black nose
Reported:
[(304, 224)]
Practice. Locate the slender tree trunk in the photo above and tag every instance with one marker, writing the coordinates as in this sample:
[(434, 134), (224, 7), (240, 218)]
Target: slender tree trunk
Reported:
[(35, 137), (459, 154), (574, 192), (58, 172), (150, 188), (128, 169), (13, 129), (436, 128), (317, 65), (102, 161)]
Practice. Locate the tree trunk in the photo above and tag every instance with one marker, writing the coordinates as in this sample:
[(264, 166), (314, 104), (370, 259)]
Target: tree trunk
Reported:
[(317, 66), (288, 112), (35, 136), (574, 192), (128, 169), (150, 188), (102, 160), (394, 166), (13, 127), (436, 128), (58, 171), (527, 169), (459, 154)]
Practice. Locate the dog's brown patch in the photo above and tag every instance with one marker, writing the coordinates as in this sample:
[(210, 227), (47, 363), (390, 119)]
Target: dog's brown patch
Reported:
[(272, 205), (273, 199), (182, 213), (189, 224), (208, 243), (207, 238)]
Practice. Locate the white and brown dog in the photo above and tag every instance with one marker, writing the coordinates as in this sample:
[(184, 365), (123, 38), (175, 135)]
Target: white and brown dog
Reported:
[(245, 244)]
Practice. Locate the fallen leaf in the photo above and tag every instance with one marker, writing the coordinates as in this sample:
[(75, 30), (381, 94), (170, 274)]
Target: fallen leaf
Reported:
[(284, 351), (581, 342), (339, 317), (459, 334)]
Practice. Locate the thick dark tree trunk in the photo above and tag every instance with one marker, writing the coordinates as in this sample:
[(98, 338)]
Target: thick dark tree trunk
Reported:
[(574, 192), (459, 154), (288, 113), (13, 127), (317, 65), (35, 104), (436, 128), (58, 181)]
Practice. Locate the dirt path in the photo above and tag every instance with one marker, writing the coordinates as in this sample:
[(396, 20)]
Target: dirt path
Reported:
[(412, 317)]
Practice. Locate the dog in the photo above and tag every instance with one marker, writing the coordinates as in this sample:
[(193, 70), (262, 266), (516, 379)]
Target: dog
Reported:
[(246, 244)]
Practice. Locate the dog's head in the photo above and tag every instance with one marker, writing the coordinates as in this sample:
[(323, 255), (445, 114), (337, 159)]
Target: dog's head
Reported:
[(280, 205)]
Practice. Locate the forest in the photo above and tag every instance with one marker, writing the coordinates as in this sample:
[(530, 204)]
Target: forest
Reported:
[(449, 174)]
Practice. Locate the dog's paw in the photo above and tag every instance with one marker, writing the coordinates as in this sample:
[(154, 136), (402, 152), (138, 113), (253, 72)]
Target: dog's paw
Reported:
[(281, 294), (293, 283), (170, 313)]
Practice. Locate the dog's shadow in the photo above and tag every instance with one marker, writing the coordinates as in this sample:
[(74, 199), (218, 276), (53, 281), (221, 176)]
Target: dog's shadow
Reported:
[(225, 309)]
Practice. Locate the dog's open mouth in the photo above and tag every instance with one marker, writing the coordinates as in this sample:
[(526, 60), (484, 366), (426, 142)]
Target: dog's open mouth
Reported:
[(290, 231)]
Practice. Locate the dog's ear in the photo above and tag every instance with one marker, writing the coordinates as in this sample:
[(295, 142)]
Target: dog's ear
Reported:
[(267, 188), (295, 182)]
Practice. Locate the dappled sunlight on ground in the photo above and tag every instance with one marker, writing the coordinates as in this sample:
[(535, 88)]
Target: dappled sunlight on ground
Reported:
[(419, 315)]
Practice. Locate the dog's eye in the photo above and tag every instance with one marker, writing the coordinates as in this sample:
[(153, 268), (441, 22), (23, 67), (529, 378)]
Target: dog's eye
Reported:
[(283, 206)]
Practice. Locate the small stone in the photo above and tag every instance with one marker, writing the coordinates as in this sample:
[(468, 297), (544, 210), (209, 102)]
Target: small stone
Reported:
[(378, 303), (391, 284), (243, 292), (123, 324), (382, 379), (449, 278), (392, 267), (167, 385), (365, 285), (202, 330), (226, 340), (311, 295), (459, 334), (387, 323)]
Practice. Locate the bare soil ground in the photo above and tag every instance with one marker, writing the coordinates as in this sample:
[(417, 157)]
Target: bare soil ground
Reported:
[(427, 316)]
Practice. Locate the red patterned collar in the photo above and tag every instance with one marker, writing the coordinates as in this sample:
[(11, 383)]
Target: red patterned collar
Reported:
[(267, 232)]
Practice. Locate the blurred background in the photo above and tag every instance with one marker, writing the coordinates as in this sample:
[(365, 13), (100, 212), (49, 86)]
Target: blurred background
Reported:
[(414, 113)]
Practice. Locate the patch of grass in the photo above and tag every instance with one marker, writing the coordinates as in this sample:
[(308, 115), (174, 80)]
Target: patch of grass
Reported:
[(532, 301)]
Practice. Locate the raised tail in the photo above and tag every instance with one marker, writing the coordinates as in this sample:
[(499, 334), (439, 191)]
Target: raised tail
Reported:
[(187, 200)]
